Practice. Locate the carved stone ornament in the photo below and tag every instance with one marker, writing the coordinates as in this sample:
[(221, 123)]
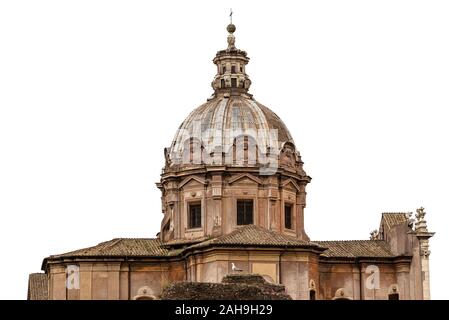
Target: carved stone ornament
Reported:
[(374, 235), (420, 214)]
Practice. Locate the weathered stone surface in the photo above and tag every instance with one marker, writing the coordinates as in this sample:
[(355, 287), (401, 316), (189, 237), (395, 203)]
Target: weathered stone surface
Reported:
[(233, 287)]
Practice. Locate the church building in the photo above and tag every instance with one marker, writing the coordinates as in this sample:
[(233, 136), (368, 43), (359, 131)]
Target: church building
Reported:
[(233, 197)]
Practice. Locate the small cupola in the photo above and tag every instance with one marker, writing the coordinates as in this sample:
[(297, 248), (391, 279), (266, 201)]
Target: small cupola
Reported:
[(231, 77)]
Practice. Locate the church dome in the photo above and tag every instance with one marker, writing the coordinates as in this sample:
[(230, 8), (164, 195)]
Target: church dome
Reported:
[(230, 119), (231, 163), (219, 121)]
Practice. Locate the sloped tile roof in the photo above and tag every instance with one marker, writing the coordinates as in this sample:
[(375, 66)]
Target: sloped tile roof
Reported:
[(356, 248), (180, 242), (120, 247), (252, 235), (37, 286), (394, 218), (249, 235)]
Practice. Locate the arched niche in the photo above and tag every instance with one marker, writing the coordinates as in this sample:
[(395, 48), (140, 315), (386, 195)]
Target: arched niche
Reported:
[(341, 294), (312, 290), (145, 293)]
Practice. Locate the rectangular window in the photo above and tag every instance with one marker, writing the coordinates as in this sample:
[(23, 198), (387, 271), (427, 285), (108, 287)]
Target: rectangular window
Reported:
[(232, 69), (288, 216), (244, 212), (234, 82), (195, 215)]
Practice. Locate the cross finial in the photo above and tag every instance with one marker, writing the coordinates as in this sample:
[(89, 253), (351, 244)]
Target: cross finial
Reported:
[(230, 15)]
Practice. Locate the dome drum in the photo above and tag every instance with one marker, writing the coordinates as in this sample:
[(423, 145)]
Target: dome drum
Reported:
[(232, 162)]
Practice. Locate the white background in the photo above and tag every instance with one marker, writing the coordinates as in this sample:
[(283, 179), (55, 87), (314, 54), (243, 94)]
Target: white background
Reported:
[(92, 91)]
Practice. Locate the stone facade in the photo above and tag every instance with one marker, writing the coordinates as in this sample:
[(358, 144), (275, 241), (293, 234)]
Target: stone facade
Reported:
[(233, 196)]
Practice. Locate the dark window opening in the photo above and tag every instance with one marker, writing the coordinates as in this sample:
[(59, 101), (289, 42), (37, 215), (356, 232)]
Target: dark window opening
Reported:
[(232, 69), (222, 83), (241, 69), (312, 295), (195, 215), (288, 216), (393, 296), (224, 69), (244, 212), (233, 82)]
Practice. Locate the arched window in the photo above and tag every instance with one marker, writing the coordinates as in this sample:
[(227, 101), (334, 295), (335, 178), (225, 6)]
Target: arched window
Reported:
[(145, 298), (341, 294), (312, 291), (145, 293)]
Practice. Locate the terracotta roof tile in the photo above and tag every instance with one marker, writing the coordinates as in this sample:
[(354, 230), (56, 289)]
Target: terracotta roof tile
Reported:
[(394, 218), (180, 242), (37, 286), (249, 235), (356, 248), (122, 247), (252, 235)]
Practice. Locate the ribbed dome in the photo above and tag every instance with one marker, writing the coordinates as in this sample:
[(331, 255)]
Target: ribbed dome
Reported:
[(231, 127), (219, 121)]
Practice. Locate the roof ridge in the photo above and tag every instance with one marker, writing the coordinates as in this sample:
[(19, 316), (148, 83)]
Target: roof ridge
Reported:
[(360, 240), (255, 235), (397, 212), (101, 246), (132, 239), (259, 228), (357, 248)]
